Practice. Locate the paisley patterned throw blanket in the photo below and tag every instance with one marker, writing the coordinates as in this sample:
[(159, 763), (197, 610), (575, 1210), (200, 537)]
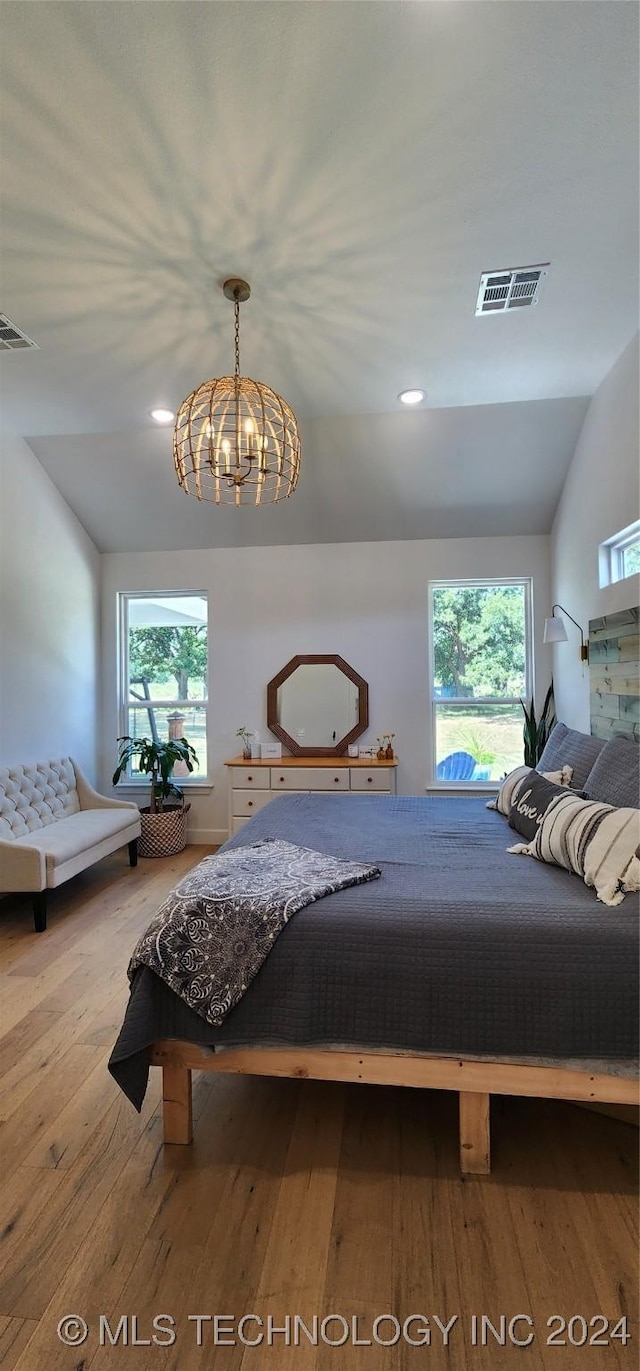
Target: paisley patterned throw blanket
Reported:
[(214, 931)]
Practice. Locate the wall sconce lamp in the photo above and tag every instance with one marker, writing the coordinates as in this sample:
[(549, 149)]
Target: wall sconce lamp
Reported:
[(555, 631)]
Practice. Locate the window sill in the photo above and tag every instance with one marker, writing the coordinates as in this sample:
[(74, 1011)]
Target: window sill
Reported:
[(463, 788)]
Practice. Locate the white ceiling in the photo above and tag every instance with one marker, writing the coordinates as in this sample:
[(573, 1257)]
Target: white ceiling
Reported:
[(361, 164)]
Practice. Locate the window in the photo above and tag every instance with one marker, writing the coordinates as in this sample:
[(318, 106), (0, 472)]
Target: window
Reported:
[(480, 668), (620, 555), (163, 659)]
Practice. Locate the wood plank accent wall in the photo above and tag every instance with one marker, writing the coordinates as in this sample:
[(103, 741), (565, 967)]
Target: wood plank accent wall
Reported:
[(614, 670)]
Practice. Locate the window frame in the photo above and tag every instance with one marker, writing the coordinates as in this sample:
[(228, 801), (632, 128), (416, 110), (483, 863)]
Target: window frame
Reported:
[(452, 583), (612, 552), (124, 597)]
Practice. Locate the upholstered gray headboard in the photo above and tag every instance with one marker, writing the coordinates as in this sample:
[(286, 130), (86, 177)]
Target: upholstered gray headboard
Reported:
[(614, 656)]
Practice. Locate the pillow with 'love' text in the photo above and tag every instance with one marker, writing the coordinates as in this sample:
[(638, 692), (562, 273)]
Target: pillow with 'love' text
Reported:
[(531, 802)]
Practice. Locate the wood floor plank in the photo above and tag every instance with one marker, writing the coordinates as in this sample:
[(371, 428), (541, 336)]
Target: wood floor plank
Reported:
[(23, 1035), (61, 1142), (70, 1025), (294, 1271), (228, 1276), (158, 1283), (48, 1243), (14, 1337), (98, 1277), (39, 1110), (20, 993), (360, 1279)]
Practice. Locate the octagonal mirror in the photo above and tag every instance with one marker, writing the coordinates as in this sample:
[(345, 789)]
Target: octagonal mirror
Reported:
[(317, 705)]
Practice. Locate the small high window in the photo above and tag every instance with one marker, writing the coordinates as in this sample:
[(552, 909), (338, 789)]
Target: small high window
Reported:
[(619, 556)]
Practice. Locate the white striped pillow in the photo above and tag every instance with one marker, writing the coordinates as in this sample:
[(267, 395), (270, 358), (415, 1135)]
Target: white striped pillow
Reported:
[(508, 792), (596, 841)]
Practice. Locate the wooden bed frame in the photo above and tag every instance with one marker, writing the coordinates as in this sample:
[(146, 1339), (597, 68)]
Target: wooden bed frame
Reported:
[(474, 1081)]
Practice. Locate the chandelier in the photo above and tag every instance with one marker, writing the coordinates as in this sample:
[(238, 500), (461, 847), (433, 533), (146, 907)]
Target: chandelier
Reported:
[(236, 441)]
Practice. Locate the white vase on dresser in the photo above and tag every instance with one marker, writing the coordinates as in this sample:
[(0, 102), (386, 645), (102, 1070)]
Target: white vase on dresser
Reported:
[(253, 784)]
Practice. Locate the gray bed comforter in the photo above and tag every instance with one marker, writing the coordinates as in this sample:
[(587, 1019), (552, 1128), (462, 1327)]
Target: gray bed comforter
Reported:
[(460, 948)]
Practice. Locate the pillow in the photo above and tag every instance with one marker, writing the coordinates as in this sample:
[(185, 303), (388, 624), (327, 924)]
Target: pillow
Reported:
[(509, 788), (597, 842), (614, 778), (567, 747), (531, 802)]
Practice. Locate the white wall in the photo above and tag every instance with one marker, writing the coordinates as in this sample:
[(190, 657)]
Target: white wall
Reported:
[(49, 619), (366, 601), (601, 497)]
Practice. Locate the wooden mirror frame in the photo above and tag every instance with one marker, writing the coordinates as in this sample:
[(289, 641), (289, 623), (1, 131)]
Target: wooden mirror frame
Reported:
[(328, 659)]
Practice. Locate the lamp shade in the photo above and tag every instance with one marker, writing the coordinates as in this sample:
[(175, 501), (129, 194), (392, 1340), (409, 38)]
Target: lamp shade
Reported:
[(554, 630)]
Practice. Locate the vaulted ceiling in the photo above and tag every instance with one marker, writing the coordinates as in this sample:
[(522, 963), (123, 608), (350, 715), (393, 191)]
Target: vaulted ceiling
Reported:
[(361, 164)]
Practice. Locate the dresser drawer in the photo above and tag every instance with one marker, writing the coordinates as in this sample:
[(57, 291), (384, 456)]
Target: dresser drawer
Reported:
[(248, 802), (309, 778), (237, 824), (379, 778), (249, 778)]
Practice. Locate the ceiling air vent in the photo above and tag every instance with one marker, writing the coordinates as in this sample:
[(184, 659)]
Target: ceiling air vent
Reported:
[(514, 288), (12, 338)]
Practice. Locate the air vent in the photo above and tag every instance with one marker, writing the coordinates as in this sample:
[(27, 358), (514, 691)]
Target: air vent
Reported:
[(514, 288), (12, 338)]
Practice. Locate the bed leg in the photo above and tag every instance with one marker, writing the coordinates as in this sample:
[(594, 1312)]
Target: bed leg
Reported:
[(176, 1104), (475, 1147)]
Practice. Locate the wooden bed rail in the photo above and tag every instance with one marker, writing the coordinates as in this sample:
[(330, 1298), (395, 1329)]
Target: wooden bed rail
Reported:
[(474, 1081)]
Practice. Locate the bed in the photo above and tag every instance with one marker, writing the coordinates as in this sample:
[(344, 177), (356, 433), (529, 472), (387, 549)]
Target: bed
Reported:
[(464, 968)]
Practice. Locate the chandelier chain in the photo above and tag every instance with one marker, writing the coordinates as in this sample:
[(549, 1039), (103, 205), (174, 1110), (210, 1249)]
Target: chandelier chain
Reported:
[(237, 336)]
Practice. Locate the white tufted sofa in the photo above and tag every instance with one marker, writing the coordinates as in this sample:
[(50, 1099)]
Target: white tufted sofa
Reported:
[(53, 824)]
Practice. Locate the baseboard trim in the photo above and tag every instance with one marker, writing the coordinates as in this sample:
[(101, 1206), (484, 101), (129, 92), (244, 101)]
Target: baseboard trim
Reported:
[(207, 837)]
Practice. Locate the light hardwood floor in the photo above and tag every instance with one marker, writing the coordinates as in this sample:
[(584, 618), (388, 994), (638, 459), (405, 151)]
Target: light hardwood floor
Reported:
[(296, 1197)]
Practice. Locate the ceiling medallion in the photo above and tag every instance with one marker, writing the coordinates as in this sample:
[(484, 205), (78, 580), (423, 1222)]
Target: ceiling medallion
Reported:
[(236, 442)]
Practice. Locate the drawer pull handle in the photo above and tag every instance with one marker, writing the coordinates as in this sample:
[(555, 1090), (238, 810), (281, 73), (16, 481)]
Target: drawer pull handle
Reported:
[(249, 778), (369, 780), (282, 780), (250, 804), (336, 780)]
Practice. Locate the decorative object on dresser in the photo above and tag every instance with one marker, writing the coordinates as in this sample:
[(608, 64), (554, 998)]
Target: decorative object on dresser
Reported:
[(245, 736), (614, 672), (163, 826), (253, 786), (384, 751), (320, 699)]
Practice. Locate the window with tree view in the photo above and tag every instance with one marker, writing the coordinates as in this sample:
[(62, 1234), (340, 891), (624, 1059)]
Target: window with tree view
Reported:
[(481, 667), (164, 675)]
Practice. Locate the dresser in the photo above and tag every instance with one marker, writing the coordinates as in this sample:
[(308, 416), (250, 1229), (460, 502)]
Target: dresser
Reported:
[(253, 784)]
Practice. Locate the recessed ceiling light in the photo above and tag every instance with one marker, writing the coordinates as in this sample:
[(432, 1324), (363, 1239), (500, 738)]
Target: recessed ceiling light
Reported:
[(411, 397), (162, 416)]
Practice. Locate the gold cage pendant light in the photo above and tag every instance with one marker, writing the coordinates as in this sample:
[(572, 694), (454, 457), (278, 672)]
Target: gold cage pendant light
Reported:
[(236, 442)]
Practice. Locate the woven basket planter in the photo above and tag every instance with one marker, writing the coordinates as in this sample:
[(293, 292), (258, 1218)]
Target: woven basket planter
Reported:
[(164, 833)]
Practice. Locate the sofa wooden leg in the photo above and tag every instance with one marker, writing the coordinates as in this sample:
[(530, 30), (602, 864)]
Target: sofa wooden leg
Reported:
[(40, 911), (133, 852)]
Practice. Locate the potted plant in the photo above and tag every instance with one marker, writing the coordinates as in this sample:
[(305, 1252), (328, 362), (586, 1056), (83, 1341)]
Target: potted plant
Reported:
[(163, 826), (245, 735), (536, 731)]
